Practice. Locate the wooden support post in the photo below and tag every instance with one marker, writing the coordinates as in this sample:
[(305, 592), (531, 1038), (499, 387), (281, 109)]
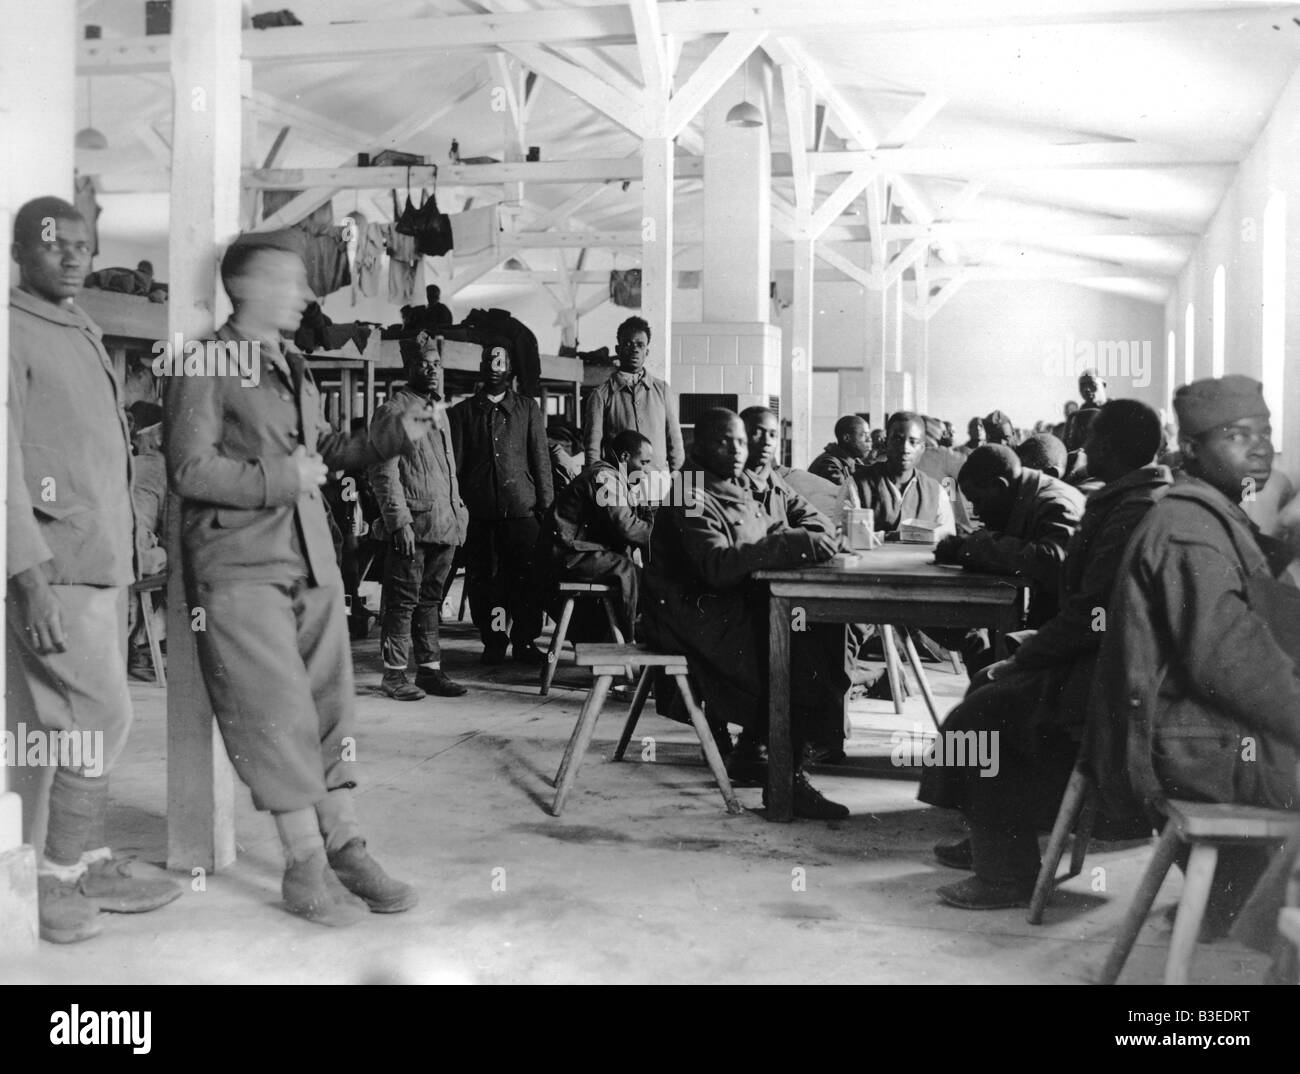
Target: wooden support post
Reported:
[(207, 149), (801, 354), (657, 250)]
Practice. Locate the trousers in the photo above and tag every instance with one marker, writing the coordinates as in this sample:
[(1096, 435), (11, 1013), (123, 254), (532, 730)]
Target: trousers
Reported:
[(412, 603), (499, 559), (607, 568), (278, 668)]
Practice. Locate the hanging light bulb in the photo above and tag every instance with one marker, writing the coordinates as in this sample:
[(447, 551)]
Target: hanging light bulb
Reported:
[(88, 137), (745, 114)]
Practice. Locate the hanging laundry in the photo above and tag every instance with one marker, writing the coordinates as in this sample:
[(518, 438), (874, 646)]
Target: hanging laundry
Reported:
[(405, 267), (625, 288), (430, 228), (475, 230), (84, 199), (369, 257)]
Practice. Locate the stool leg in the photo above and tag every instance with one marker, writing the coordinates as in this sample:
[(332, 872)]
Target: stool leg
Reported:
[(579, 741), (1138, 909), (634, 711), (557, 643), (155, 650), (892, 666), (710, 747), (1083, 830), (914, 658), (1191, 909), (1071, 803), (608, 603)]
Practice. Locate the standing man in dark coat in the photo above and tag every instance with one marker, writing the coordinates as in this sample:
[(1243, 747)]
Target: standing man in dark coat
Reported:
[(701, 600), (846, 453), (1198, 681), (247, 458), (422, 516), (499, 442), (68, 562), (1036, 701)]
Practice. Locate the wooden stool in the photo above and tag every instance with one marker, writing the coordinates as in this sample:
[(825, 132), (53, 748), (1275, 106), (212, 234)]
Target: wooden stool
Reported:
[(607, 662), (1077, 813), (142, 591), (571, 591), (1206, 827), (894, 669)]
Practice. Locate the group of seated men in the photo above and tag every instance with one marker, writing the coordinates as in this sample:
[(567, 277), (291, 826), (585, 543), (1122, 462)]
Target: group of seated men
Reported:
[(1161, 638)]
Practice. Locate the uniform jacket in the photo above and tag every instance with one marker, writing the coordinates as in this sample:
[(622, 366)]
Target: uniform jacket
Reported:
[(595, 514), (1043, 518), (501, 456), (643, 403), (228, 450), (1197, 694), (69, 455), (922, 498), (699, 595), (835, 464), (784, 505), (418, 488)]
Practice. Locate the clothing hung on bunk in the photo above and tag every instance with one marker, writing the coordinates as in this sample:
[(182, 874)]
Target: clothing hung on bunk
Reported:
[(474, 230), (430, 228), (405, 267), (324, 248), (86, 204), (368, 260)]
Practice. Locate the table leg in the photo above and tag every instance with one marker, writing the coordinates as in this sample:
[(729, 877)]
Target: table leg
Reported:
[(780, 755)]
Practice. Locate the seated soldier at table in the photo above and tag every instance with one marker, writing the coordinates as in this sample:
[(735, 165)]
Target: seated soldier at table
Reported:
[(846, 453), (701, 599), (1036, 701), (1198, 687), (1028, 520), (1043, 452), (594, 527), (786, 505), (894, 489)]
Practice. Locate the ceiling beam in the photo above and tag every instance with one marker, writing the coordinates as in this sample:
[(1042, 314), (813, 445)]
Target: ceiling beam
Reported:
[(710, 76), (656, 74), (545, 171), (613, 24), (584, 85), (1017, 230), (983, 159)]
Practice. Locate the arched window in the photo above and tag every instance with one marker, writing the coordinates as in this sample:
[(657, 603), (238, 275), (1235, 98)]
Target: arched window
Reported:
[(1218, 324), (1273, 328)]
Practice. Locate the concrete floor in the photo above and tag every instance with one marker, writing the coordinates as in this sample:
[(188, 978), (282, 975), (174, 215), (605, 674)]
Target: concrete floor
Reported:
[(644, 879)]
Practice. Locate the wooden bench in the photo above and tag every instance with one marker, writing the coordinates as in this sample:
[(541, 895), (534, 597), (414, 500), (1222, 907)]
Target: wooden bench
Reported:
[(606, 663), (571, 591), (1205, 826), (142, 591)]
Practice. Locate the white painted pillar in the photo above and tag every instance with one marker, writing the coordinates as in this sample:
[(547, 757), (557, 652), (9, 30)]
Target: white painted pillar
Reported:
[(657, 251), (207, 148), (801, 354), (737, 211), (37, 126)]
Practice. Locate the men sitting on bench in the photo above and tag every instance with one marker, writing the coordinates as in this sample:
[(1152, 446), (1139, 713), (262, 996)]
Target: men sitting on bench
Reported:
[(1198, 687), (1028, 520), (701, 600), (1036, 701), (596, 523), (894, 489)]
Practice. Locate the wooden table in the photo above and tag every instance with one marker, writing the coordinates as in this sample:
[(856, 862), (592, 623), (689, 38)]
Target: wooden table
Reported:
[(902, 586)]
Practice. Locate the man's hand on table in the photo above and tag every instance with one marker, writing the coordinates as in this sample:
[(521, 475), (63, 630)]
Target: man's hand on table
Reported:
[(826, 545), (39, 614), (948, 550)]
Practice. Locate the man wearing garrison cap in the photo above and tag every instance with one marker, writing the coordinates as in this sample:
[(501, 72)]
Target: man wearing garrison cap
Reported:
[(1197, 692)]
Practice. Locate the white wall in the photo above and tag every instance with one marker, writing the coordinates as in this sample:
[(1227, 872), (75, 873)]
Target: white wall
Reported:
[(1234, 239), (995, 345)]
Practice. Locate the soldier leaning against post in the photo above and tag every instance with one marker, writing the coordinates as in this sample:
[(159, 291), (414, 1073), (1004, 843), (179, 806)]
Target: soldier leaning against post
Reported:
[(248, 460), (70, 534)]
